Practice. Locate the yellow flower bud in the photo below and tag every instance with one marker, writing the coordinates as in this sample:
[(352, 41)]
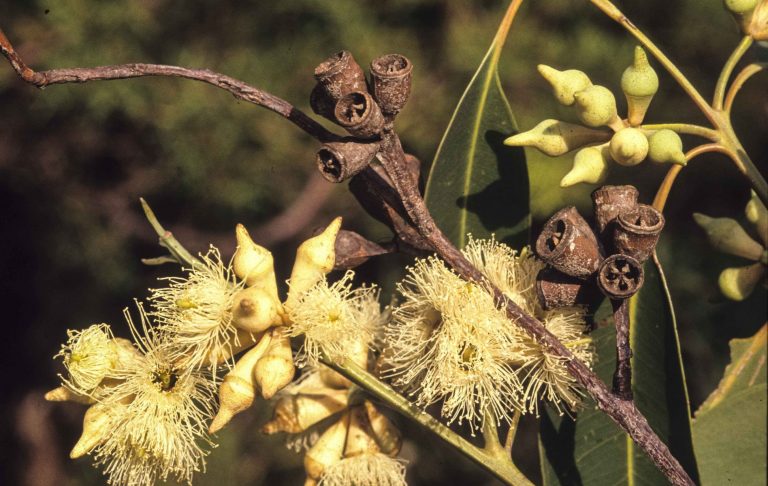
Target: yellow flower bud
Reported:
[(97, 425), (237, 391), (758, 25), (314, 258), (64, 394), (758, 216), (555, 138), (666, 146), (296, 413), (728, 236), (596, 107), (590, 165), (639, 83), (565, 83), (738, 283), (275, 369), (384, 431), (254, 263), (255, 310), (359, 438), (328, 450), (629, 146)]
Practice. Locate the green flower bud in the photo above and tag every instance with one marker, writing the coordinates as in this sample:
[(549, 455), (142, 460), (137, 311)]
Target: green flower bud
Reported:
[(738, 283), (758, 216), (590, 165), (565, 83), (728, 236), (665, 146), (758, 24), (597, 107), (556, 138), (629, 146), (639, 83)]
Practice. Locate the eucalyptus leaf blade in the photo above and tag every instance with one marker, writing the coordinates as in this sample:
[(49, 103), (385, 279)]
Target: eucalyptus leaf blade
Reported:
[(729, 430), (477, 184), (592, 450)]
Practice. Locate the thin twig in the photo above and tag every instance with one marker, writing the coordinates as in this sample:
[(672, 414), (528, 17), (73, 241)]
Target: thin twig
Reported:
[(239, 89), (725, 74), (622, 377), (739, 81), (669, 180)]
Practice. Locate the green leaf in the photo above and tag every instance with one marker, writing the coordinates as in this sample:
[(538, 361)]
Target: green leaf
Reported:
[(729, 430), (593, 450), (477, 184)]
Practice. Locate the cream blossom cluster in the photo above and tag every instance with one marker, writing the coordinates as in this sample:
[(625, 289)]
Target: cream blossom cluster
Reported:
[(449, 341), (153, 401)]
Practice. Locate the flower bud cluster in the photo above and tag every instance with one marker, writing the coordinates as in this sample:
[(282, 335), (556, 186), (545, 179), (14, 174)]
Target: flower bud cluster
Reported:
[(603, 136), (347, 440), (608, 257), (728, 236)]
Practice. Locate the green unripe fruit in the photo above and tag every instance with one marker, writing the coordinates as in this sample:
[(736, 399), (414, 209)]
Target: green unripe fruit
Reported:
[(740, 7), (556, 138), (596, 106), (738, 283), (629, 146), (727, 235), (565, 83), (590, 165), (639, 83), (665, 146)]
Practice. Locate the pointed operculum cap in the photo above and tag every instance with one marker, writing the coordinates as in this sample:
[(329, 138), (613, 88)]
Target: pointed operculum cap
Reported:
[(296, 413), (629, 146), (556, 138), (359, 438), (387, 436), (727, 235), (358, 353), (738, 283), (97, 425), (665, 146), (237, 391), (314, 258), (64, 394), (275, 370), (596, 107), (565, 83), (639, 83), (254, 263), (590, 165), (758, 215), (255, 310), (328, 450)]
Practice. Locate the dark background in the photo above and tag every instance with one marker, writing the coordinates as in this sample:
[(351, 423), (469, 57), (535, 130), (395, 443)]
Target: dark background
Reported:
[(75, 159)]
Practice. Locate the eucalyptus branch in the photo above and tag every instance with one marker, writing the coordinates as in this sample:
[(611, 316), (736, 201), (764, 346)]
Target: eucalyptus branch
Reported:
[(500, 466), (660, 200), (624, 413), (167, 240), (725, 74), (739, 81), (685, 129)]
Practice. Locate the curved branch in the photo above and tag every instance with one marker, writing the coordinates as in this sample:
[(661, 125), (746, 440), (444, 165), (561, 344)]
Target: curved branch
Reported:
[(739, 81), (237, 88), (669, 180), (725, 74)]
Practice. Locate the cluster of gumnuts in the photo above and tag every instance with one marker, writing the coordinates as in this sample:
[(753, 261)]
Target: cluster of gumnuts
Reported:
[(609, 257)]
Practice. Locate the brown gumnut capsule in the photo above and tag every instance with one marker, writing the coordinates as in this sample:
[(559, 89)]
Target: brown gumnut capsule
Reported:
[(391, 75), (338, 161), (359, 114), (555, 289), (353, 250), (636, 232), (611, 201), (620, 276), (336, 76), (568, 244)]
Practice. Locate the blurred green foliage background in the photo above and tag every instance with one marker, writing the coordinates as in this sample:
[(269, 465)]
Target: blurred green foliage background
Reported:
[(74, 160)]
